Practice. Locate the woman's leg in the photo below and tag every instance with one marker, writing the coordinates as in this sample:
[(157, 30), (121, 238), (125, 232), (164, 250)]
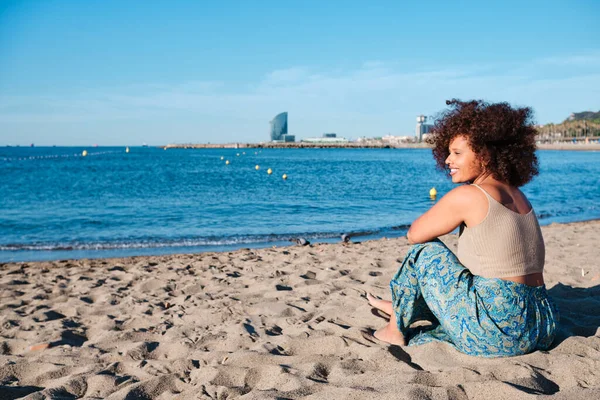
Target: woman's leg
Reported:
[(408, 304), (428, 270), (479, 316), (417, 272)]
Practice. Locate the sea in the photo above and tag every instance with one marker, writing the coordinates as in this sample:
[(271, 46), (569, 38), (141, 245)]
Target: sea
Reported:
[(56, 203)]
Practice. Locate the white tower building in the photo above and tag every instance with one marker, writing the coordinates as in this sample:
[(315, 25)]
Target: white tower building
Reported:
[(422, 127)]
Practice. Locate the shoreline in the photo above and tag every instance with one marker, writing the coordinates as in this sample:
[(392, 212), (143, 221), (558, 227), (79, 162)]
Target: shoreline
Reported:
[(46, 255), (272, 323), (450, 237)]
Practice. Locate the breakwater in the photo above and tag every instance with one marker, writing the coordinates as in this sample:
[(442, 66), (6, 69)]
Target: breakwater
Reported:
[(299, 145)]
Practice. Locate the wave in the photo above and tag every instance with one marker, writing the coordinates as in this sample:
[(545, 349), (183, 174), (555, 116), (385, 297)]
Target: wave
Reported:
[(213, 241), (545, 217)]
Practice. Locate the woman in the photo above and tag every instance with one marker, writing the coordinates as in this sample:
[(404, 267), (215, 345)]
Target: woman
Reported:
[(488, 300)]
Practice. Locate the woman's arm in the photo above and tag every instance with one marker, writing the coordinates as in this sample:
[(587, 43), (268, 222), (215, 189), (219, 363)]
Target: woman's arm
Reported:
[(444, 216)]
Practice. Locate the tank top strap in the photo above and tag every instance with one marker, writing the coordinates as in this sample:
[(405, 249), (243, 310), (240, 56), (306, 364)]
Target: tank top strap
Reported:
[(480, 188), (499, 207), (484, 192), (493, 205)]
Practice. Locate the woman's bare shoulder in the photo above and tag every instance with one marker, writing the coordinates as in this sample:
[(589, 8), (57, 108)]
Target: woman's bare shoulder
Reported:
[(474, 203), (467, 194)]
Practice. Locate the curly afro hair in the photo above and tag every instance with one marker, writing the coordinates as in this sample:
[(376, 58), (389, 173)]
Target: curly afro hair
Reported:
[(502, 137)]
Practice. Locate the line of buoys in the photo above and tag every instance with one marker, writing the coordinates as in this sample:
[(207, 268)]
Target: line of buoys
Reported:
[(270, 171), (48, 156), (256, 167)]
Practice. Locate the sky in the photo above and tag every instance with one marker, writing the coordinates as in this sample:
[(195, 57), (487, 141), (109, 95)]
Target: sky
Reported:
[(157, 72)]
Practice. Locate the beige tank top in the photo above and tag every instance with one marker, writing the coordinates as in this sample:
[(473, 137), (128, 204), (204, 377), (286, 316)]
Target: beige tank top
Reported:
[(504, 244)]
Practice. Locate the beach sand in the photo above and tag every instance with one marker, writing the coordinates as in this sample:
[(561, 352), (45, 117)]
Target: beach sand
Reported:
[(271, 323)]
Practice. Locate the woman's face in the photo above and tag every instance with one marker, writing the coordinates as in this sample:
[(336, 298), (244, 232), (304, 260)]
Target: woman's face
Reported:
[(462, 161)]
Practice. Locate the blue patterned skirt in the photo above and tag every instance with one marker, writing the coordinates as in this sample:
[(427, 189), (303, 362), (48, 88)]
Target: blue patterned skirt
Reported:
[(479, 316)]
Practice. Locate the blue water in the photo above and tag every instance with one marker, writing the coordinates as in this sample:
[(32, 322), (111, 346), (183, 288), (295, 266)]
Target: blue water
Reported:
[(56, 204)]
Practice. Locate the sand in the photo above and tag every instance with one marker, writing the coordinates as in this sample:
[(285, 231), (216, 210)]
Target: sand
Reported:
[(281, 323)]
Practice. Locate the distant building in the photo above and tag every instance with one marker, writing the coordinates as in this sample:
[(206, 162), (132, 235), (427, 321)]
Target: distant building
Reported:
[(387, 139), (422, 127), (397, 139), (279, 127), (288, 138), (326, 138)]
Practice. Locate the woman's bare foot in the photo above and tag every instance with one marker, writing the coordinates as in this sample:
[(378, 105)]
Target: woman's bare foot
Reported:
[(383, 305), (390, 334)]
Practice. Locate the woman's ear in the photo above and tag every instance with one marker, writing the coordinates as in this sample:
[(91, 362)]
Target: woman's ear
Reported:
[(484, 159)]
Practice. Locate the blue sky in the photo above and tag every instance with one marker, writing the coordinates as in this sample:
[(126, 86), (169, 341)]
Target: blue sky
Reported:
[(127, 72)]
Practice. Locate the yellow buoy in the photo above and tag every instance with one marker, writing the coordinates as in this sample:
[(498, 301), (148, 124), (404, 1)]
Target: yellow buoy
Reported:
[(257, 167), (227, 162), (126, 149), (284, 177), (432, 193), (269, 171), (222, 158), (84, 153)]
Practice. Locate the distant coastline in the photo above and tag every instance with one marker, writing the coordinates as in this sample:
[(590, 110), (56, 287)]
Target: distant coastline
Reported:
[(570, 146), (298, 145), (357, 145)]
